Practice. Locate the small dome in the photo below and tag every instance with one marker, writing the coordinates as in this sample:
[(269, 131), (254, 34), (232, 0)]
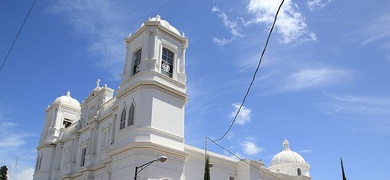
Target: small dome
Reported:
[(287, 156), (163, 23), (67, 100)]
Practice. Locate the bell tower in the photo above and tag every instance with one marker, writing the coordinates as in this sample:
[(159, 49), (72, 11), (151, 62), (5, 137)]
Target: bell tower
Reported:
[(61, 116), (152, 93), (156, 47)]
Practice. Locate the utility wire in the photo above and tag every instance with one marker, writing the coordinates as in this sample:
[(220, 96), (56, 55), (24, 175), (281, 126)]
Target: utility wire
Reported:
[(227, 150), (243, 160), (254, 75), (10, 49)]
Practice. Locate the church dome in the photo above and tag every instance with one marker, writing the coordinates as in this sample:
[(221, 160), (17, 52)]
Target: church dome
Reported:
[(67, 100), (287, 156), (163, 23)]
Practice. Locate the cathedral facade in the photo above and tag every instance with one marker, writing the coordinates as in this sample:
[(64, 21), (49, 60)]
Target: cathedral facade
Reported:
[(138, 131)]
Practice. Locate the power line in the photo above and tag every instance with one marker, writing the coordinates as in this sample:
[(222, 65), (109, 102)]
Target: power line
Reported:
[(243, 160), (254, 75), (243, 101), (10, 49)]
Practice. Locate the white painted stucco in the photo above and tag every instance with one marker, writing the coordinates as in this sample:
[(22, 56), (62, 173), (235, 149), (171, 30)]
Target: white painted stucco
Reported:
[(89, 141)]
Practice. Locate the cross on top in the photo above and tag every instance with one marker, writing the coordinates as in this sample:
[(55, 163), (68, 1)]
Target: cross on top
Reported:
[(97, 83)]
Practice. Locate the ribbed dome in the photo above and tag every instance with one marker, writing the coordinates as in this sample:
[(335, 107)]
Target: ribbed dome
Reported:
[(287, 156), (67, 100), (163, 23)]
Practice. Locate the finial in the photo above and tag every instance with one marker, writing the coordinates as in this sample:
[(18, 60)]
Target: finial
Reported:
[(158, 17), (105, 85), (182, 34), (97, 82), (68, 93), (286, 145)]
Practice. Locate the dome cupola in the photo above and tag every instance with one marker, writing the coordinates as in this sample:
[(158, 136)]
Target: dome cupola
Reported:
[(162, 23), (67, 100), (287, 156), (289, 162)]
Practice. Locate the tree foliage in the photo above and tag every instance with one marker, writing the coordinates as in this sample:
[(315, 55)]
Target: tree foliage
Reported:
[(207, 168), (3, 173)]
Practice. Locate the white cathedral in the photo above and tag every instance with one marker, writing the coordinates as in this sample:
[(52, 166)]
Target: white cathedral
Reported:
[(125, 135)]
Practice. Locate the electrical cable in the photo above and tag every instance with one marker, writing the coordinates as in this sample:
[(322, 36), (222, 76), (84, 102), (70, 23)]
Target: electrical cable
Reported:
[(244, 99), (243, 160), (9, 51), (254, 75)]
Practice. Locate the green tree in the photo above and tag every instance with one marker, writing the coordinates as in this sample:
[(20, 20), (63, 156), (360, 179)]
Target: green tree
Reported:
[(3, 174), (207, 168)]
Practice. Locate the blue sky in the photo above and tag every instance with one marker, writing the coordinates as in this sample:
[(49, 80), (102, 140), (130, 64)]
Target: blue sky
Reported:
[(323, 83)]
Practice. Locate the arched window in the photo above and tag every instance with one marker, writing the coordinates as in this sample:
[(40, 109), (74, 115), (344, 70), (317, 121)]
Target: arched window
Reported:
[(122, 120), (167, 62), (299, 171), (137, 61), (83, 154), (66, 122), (130, 120)]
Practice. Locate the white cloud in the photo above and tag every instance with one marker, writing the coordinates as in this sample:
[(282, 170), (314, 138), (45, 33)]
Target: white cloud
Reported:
[(12, 147), (22, 174), (244, 116), (376, 31), (5, 125), (234, 156), (223, 41), (317, 4), (9, 139), (13, 140), (10, 151), (372, 105), (306, 151), (230, 135), (290, 23), (312, 78), (231, 25), (100, 23), (250, 148)]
